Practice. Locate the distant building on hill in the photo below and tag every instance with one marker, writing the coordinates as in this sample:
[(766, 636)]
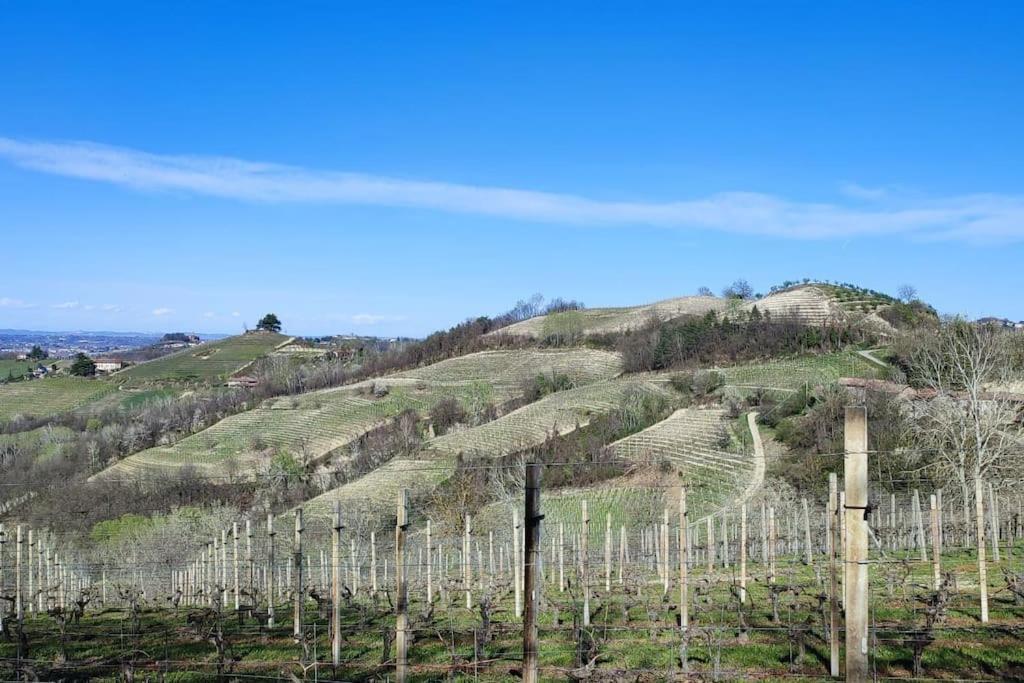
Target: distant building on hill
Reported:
[(108, 364), (246, 381)]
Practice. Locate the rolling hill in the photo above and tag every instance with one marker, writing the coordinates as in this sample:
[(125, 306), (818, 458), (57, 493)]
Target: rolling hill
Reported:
[(209, 362)]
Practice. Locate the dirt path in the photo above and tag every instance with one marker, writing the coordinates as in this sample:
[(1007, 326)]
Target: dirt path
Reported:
[(866, 355), (757, 480)]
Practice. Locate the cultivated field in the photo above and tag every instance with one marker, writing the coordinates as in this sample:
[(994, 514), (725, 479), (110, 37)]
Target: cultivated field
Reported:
[(50, 396), (49, 438), (794, 373), (209, 362)]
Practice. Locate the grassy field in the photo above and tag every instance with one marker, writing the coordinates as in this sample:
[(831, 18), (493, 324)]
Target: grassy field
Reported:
[(210, 362), (50, 396), (633, 634)]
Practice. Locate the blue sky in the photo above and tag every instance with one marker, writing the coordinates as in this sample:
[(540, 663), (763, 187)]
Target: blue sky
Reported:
[(390, 168)]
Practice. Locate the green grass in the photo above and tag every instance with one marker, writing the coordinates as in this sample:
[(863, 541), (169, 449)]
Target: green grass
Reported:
[(50, 396), (210, 362), (634, 628)]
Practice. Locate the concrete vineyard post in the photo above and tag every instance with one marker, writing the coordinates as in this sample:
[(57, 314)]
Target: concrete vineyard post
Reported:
[(584, 572), (808, 555), (336, 586), (467, 563), (936, 559), (993, 514), (832, 541), (401, 590), (979, 514), (855, 477), (430, 567), (516, 566), (532, 518), (234, 538), (608, 552), (270, 570), (297, 571), (919, 526), (743, 553), (684, 587), (18, 607), (561, 557)]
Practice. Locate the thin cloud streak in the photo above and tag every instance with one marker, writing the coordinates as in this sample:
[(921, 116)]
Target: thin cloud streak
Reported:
[(980, 218)]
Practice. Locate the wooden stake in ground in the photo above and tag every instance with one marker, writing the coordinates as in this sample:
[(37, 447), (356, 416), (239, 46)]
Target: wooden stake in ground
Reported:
[(401, 591), (856, 481), (808, 555), (238, 588), (832, 541), (18, 607), (297, 571), (467, 563), (979, 514), (561, 557), (532, 518), (607, 552), (430, 567), (919, 525), (516, 566), (336, 586)]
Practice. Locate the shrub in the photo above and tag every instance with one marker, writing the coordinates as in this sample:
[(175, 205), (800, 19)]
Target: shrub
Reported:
[(446, 413), (705, 382)]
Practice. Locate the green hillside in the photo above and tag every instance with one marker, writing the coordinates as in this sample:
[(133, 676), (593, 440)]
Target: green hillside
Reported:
[(209, 362), (50, 396)]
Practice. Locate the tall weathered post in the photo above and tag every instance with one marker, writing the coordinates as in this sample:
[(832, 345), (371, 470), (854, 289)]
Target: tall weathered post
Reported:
[(584, 562), (270, 570), (979, 514), (684, 586), (336, 586), (936, 552), (855, 475), (833, 541), (297, 572), (532, 518), (401, 590)]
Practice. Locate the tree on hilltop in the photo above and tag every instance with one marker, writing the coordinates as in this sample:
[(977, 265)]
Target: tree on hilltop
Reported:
[(83, 366), (740, 289), (269, 323), (37, 353)]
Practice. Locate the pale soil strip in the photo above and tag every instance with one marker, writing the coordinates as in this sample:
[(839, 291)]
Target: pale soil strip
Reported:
[(757, 480), (866, 355)]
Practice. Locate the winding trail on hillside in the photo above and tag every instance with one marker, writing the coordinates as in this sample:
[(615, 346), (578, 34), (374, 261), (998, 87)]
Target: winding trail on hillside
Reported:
[(757, 480), (866, 355)]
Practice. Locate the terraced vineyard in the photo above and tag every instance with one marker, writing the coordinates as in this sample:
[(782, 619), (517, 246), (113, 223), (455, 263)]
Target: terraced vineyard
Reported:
[(794, 373), (693, 441), (532, 424), (511, 368), (528, 426), (207, 362), (307, 427), (598, 320), (809, 305), (50, 396)]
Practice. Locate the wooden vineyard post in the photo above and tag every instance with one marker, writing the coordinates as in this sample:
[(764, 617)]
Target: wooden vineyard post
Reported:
[(373, 563), (270, 570), (936, 557), (772, 543), (336, 586), (467, 562), (401, 591), (764, 534), (248, 559), (938, 502), (743, 553), (684, 587), (532, 519), (979, 514), (855, 477), (297, 571), (584, 573), (31, 578), (832, 542), (666, 573), (223, 567)]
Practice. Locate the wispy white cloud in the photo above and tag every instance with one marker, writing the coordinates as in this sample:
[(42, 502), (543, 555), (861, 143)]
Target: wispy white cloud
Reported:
[(969, 217), (375, 318), (235, 314), (162, 311), (861, 192), (209, 314), (8, 302), (110, 308), (66, 304)]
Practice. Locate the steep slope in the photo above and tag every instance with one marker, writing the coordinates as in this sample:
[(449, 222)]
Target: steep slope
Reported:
[(311, 425), (209, 362)]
